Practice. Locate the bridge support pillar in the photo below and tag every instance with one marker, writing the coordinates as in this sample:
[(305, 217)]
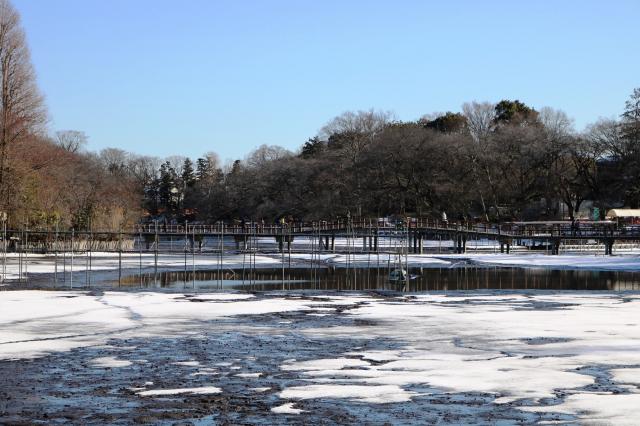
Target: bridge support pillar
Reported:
[(281, 239), (240, 240), (375, 243), (148, 239), (417, 242), (608, 247)]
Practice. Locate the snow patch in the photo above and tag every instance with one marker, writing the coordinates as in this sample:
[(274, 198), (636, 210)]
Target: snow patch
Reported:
[(626, 375), (109, 362), (597, 408), (248, 375), (371, 394), (286, 409), (324, 364), (191, 391), (187, 363)]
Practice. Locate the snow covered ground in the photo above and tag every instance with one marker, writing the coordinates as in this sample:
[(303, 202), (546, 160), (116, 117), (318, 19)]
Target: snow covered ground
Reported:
[(511, 346), (565, 261), (101, 261), (33, 323), (488, 357)]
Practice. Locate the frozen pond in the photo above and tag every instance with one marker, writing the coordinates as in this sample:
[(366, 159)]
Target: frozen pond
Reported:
[(482, 357), (506, 339)]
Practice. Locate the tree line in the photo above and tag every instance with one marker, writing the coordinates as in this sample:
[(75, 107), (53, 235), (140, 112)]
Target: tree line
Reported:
[(46, 180), (504, 161), (500, 161)]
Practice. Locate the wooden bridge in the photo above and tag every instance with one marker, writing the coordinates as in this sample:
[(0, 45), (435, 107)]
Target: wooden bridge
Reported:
[(416, 230), (549, 235)]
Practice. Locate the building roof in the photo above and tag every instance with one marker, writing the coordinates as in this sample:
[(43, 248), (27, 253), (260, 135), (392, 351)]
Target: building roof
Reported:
[(613, 213)]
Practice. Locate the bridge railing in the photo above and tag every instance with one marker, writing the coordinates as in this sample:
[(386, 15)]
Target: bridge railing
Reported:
[(368, 226), (563, 230), (517, 230), (315, 226)]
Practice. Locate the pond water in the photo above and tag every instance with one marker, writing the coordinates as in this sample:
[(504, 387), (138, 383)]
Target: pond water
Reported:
[(466, 277)]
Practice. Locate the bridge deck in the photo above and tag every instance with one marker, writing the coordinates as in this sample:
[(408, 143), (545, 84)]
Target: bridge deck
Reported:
[(420, 228)]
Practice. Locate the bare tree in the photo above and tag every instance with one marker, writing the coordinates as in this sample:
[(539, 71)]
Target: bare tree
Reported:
[(365, 124), (22, 108), (213, 159), (480, 117), (556, 121), (71, 140), (606, 134), (480, 120), (266, 153), (143, 168), (352, 132), (114, 159), (177, 163)]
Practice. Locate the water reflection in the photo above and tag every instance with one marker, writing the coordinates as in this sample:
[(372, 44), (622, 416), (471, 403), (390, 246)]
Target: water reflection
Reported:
[(424, 279)]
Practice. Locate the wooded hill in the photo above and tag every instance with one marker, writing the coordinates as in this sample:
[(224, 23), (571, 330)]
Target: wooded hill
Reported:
[(489, 161)]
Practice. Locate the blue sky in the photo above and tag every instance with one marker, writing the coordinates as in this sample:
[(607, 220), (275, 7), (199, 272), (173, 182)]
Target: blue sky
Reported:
[(161, 77)]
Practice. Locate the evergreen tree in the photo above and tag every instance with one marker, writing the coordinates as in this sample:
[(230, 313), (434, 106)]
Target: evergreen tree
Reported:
[(448, 123), (236, 167), (312, 148), (630, 136), (168, 193), (188, 175), (203, 169), (515, 112), (631, 121)]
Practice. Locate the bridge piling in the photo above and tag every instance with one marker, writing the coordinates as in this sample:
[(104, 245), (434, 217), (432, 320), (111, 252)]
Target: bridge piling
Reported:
[(608, 247)]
